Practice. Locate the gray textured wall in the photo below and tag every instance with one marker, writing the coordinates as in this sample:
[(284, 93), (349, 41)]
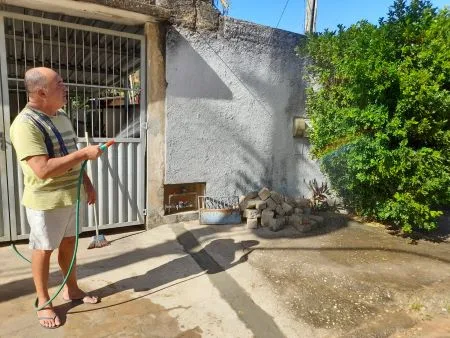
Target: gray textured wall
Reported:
[(231, 99)]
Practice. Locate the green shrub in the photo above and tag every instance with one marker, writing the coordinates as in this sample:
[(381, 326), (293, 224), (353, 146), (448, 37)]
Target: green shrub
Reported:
[(379, 105)]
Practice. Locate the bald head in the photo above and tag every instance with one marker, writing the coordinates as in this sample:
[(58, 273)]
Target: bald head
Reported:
[(38, 78), (46, 90)]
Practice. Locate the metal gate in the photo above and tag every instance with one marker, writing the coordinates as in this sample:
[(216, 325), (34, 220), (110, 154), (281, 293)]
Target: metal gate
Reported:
[(4, 216), (104, 71)]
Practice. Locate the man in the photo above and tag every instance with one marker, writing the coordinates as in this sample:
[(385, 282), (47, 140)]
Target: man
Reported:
[(51, 166)]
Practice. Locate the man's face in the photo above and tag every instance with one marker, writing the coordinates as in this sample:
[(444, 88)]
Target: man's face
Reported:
[(56, 92)]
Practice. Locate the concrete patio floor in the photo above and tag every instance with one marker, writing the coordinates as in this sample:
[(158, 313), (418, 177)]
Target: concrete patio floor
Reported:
[(191, 280)]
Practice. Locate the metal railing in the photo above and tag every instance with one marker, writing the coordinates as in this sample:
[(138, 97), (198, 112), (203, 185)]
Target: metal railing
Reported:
[(222, 202)]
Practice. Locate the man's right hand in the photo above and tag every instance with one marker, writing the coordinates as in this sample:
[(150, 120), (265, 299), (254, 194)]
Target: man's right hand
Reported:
[(92, 152)]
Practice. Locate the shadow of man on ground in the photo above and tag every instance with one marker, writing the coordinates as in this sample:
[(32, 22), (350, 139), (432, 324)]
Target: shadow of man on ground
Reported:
[(224, 251)]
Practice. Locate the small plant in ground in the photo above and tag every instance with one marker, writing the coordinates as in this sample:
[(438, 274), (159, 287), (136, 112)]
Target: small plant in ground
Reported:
[(320, 195), (428, 317), (416, 306)]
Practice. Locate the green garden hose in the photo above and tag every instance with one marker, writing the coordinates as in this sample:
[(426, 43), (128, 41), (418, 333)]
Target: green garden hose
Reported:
[(102, 147)]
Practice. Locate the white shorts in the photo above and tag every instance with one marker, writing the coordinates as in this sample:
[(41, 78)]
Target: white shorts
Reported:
[(49, 227)]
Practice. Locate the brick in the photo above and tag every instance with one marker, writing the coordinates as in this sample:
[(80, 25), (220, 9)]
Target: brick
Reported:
[(298, 211), (290, 201), (266, 216), (243, 204), (273, 224), (278, 198), (282, 219), (252, 195), (288, 210), (318, 219), (256, 204), (268, 213), (244, 200), (264, 194), (251, 204), (252, 223), (279, 210), (302, 202), (295, 220), (271, 205), (265, 221), (261, 205), (246, 203), (276, 224), (252, 213)]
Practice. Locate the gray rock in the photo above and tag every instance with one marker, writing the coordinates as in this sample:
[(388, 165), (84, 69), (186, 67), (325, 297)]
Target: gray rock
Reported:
[(264, 194), (252, 213), (252, 223)]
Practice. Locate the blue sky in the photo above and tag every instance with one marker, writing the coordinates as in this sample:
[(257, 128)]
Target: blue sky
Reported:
[(330, 12)]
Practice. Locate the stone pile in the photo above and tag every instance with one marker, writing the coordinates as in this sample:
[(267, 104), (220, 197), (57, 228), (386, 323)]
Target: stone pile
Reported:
[(266, 208)]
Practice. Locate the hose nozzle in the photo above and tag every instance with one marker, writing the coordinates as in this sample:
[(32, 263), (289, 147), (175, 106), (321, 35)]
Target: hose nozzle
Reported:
[(106, 145)]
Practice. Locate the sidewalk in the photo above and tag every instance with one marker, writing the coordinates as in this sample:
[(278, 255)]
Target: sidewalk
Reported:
[(149, 287)]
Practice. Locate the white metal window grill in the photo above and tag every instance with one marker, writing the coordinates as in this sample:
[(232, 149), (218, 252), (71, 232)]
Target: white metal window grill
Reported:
[(103, 72)]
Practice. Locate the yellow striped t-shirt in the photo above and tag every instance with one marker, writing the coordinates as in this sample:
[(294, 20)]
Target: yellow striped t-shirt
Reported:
[(28, 140)]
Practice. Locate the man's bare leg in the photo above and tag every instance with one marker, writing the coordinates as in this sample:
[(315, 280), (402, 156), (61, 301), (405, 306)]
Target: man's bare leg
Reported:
[(71, 289), (40, 265)]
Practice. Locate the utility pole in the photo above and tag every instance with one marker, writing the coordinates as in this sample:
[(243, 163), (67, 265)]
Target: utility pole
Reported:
[(310, 16), (225, 6)]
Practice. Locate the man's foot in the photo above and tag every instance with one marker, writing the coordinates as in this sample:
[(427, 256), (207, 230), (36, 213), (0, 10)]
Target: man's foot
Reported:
[(48, 318), (79, 295)]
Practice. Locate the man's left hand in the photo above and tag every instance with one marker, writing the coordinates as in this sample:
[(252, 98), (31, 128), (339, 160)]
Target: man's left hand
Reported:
[(90, 192)]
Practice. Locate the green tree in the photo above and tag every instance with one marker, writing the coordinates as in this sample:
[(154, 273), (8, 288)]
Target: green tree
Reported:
[(379, 106)]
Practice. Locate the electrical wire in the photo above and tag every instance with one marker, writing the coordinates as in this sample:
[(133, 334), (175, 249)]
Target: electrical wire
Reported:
[(282, 13)]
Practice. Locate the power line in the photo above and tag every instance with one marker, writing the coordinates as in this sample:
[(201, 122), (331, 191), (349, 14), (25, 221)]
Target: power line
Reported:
[(282, 13)]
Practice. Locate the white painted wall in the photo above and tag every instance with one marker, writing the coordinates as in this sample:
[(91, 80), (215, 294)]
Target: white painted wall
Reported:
[(231, 99)]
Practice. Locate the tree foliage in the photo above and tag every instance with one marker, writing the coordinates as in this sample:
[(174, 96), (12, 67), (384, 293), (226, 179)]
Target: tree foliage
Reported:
[(379, 106)]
